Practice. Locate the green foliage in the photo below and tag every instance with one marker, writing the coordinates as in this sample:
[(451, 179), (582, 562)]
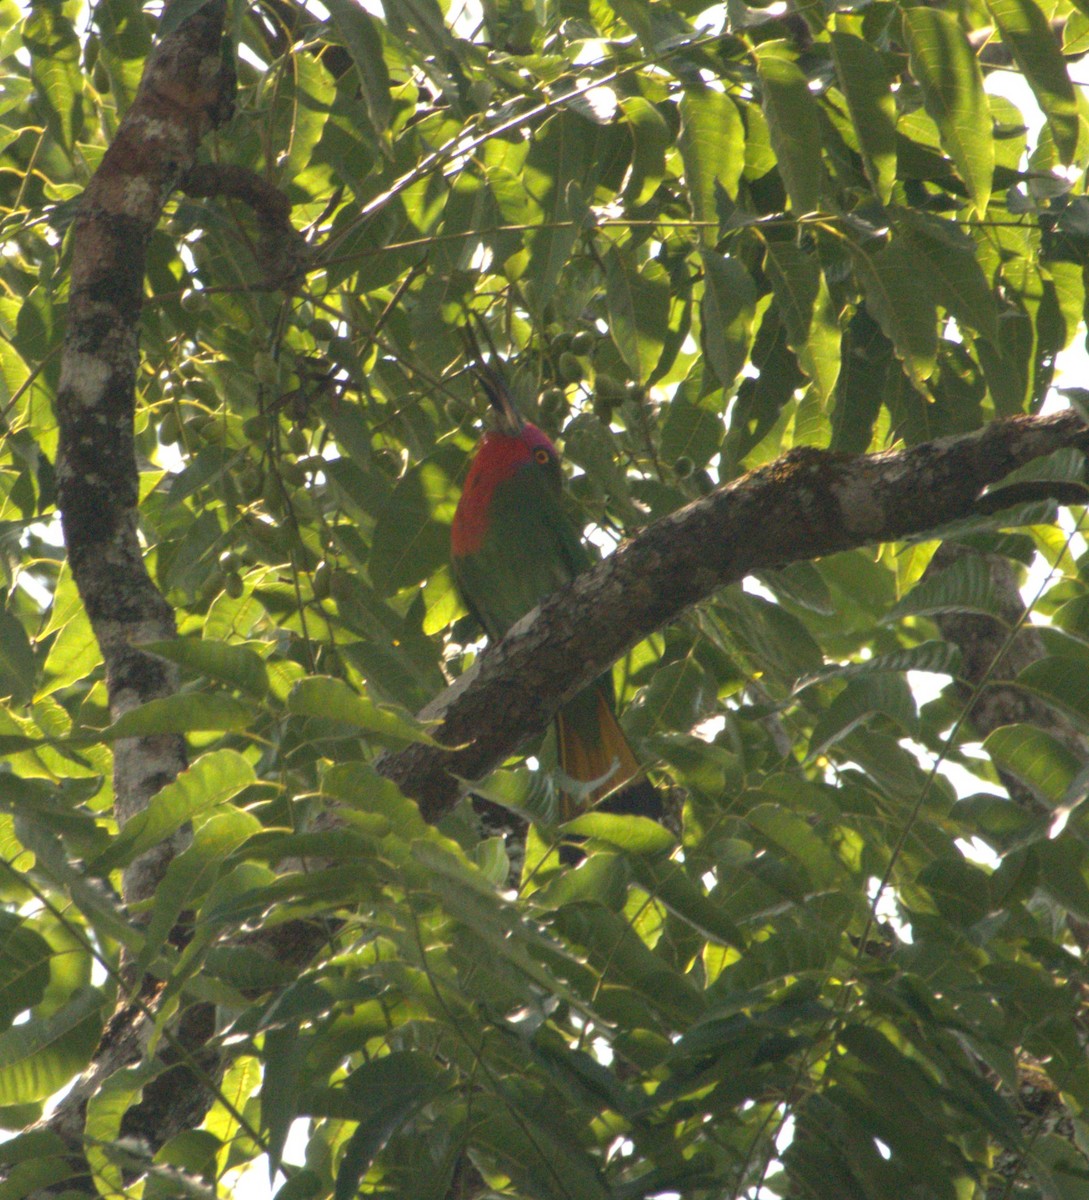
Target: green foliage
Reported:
[(697, 248)]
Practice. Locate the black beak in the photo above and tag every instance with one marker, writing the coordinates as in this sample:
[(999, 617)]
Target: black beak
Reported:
[(490, 377)]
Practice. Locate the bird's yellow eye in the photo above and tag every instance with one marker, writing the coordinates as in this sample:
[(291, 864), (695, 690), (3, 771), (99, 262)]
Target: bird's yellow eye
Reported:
[(541, 455)]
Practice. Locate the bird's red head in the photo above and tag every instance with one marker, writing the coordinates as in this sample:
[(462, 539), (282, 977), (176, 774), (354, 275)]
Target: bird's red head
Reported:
[(502, 455)]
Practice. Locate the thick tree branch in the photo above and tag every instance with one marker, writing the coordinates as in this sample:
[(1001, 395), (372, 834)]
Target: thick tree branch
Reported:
[(808, 504), (184, 93)]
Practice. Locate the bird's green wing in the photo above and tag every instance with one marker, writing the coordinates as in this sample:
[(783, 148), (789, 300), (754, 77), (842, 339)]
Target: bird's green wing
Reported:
[(531, 548)]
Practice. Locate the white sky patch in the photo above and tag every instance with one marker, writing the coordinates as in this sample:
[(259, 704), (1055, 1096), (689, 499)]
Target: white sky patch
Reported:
[(755, 588), (887, 911)]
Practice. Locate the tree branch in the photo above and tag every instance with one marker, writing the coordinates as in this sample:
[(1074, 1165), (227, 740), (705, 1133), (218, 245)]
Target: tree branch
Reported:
[(808, 504), (184, 93)]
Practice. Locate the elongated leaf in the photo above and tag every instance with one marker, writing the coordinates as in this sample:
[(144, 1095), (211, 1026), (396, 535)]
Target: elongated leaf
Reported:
[(333, 700), (41, 1056), (941, 658), (237, 666), (806, 307), (794, 124), (185, 712), (652, 138), (1026, 31), (17, 666), (1061, 681), (902, 303), (865, 83), (412, 536), (189, 877), (952, 83), (947, 256), (692, 430), (364, 42), (1036, 758), (729, 306), (712, 145), (885, 693), (24, 966), (212, 780), (965, 586), (638, 300), (384, 1093), (668, 883), (637, 835)]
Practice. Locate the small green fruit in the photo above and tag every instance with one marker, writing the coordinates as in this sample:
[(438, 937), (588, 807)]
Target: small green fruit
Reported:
[(570, 368)]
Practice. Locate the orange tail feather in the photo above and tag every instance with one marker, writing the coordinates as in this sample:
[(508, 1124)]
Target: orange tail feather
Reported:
[(592, 746)]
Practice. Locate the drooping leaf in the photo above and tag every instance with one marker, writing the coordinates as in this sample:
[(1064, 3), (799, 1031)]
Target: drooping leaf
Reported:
[(712, 146), (1027, 33), (333, 700), (729, 300), (212, 780), (952, 84), (41, 1056), (638, 299), (794, 124), (865, 83)]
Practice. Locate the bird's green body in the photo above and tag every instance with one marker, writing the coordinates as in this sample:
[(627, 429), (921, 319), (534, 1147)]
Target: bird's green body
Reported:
[(512, 544)]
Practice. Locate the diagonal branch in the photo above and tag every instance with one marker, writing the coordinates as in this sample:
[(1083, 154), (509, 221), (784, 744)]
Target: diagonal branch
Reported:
[(808, 504)]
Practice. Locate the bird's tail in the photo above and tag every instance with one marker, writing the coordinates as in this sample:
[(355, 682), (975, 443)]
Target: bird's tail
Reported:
[(593, 746)]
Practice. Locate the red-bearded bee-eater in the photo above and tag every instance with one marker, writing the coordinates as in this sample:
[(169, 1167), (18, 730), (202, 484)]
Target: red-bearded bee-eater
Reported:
[(511, 545)]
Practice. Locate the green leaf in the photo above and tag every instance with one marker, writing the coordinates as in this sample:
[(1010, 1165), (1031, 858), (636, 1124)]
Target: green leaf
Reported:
[(214, 779), (24, 966), (1061, 681), (965, 586), (384, 1093), (541, 1161), (236, 666), (636, 835), (1064, 873), (807, 311), (189, 877), (185, 712), (41, 1056), (638, 301), (652, 138), (1027, 32), (794, 123), (412, 536), (333, 700), (865, 83), (106, 1111), (940, 658), (885, 693), (669, 884), (952, 83), (712, 146), (902, 303), (18, 670), (361, 35), (692, 430), (947, 256), (1036, 758), (727, 313)]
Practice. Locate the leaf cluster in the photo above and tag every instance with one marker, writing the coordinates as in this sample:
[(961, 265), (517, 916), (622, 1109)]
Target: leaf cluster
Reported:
[(699, 239)]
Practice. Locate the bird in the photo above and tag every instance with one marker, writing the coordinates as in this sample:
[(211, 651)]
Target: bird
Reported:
[(511, 544)]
